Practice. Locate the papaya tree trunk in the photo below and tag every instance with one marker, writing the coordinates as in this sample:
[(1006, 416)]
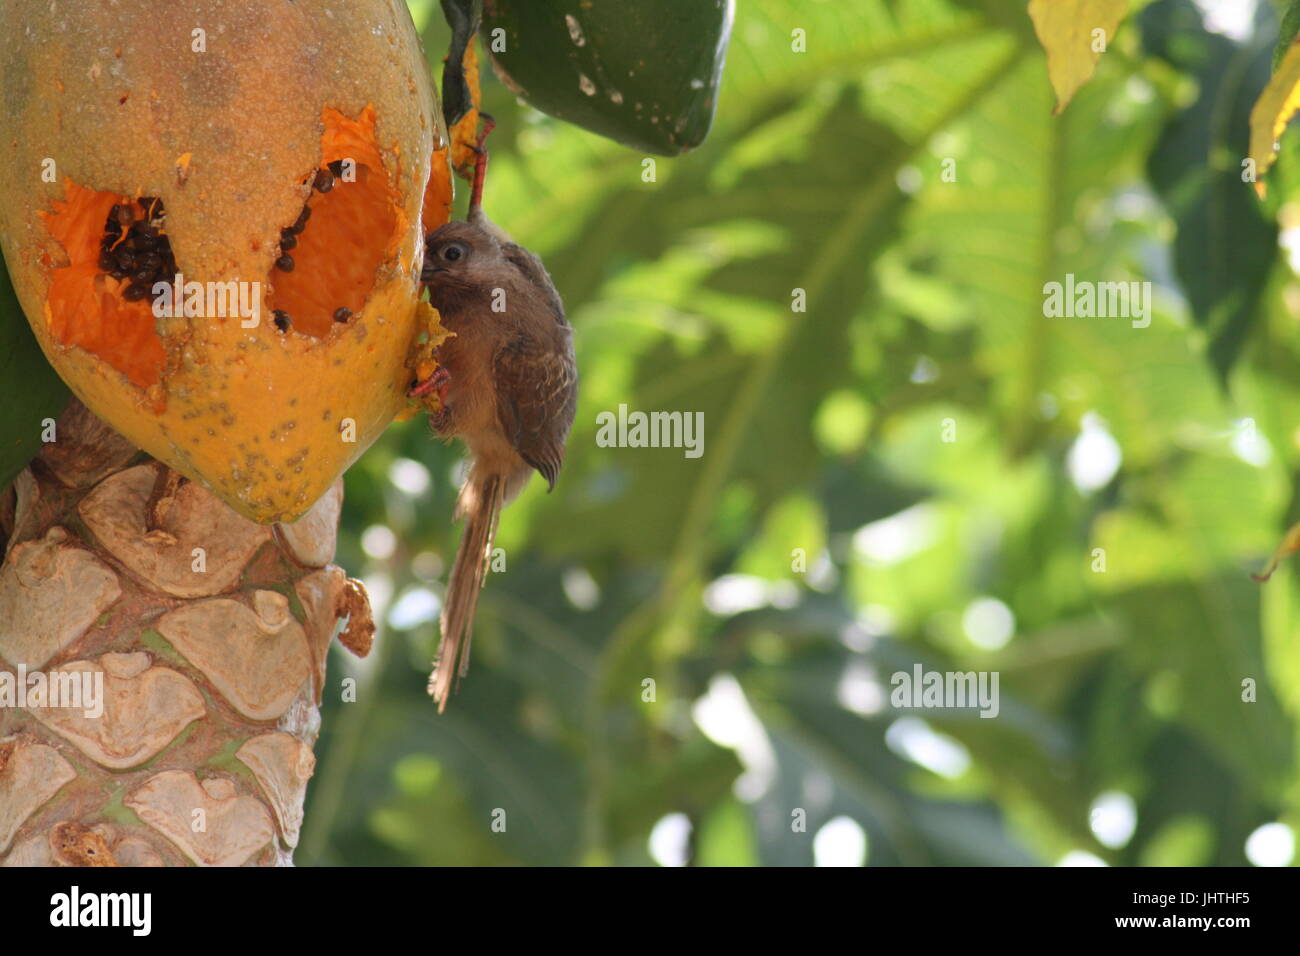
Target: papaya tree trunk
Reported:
[(161, 662)]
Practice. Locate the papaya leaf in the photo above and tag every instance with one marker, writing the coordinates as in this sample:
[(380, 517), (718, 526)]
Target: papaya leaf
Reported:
[(30, 392), (1075, 34), (1225, 244)]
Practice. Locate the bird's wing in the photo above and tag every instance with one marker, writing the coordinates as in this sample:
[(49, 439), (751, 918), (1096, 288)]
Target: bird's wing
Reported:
[(537, 394), (534, 274)]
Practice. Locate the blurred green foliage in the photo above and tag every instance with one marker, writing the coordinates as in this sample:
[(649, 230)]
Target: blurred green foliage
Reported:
[(1087, 532)]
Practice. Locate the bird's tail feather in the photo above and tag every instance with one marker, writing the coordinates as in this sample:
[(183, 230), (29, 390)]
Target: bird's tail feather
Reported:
[(480, 503)]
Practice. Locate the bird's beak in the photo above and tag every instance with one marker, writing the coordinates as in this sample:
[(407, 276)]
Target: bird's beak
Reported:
[(428, 272)]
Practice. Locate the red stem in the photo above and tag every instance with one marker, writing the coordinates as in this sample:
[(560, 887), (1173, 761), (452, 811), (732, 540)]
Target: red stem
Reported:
[(480, 164)]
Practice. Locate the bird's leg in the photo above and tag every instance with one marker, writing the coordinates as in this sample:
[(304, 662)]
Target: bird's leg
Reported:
[(480, 168), (436, 384)]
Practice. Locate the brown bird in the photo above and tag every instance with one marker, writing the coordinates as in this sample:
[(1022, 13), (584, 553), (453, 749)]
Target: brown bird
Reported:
[(508, 381)]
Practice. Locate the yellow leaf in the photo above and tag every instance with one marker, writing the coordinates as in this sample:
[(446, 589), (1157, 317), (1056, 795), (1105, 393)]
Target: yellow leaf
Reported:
[(1274, 108), (1290, 545), (1074, 33)]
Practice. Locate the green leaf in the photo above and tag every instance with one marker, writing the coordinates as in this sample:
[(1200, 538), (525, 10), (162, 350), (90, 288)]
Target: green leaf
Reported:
[(29, 390), (1286, 35), (727, 837), (843, 236), (1203, 639), (862, 778), (1225, 243), (1025, 210), (643, 72)]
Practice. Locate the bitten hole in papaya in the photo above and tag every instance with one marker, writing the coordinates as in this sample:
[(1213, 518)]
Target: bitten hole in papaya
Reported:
[(330, 256), (117, 248)]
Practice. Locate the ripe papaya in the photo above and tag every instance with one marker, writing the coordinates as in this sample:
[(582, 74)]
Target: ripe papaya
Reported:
[(214, 225)]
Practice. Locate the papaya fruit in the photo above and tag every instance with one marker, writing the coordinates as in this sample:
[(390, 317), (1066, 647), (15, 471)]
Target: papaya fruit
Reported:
[(214, 226)]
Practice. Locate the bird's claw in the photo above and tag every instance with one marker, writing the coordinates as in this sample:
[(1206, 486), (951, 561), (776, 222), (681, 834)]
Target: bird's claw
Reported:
[(435, 384)]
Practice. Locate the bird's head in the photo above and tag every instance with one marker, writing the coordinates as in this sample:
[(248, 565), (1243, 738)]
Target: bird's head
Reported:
[(460, 255)]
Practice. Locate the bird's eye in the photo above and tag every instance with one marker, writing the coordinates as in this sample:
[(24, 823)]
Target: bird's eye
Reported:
[(454, 251)]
